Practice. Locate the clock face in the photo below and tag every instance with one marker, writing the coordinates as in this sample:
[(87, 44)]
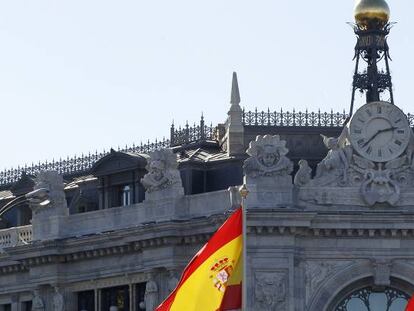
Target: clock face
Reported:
[(379, 131)]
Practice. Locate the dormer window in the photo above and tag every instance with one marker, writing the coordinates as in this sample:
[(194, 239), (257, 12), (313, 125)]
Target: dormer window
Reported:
[(126, 195)]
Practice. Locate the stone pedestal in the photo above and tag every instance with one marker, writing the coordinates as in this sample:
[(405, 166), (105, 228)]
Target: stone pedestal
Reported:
[(50, 212), (173, 192), (269, 192)]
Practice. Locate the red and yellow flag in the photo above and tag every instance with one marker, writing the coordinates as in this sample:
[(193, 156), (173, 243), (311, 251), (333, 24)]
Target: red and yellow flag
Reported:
[(410, 305), (212, 279)]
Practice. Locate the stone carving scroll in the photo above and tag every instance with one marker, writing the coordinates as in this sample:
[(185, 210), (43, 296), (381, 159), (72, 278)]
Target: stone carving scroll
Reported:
[(316, 272)]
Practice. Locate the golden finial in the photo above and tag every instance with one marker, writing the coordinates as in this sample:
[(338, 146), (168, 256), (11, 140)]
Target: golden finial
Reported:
[(371, 14), (243, 191)]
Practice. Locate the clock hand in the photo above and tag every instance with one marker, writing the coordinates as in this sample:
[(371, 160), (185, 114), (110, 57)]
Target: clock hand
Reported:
[(376, 134)]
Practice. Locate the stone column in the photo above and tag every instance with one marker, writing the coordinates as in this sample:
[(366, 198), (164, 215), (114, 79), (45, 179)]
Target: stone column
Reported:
[(97, 299), (71, 301), (107, 193), (15, 303)]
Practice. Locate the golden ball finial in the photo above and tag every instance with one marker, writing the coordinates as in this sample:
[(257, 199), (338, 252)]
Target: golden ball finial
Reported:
[(371, 13)]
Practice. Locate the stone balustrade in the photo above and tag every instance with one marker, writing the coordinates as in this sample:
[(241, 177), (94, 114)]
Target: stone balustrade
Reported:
[(75, 225), (15, 236)]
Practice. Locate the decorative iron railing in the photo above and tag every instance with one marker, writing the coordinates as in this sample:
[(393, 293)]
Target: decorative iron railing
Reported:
[(291, 119), (200, 132), (77, 164), (182, 136), (81, 164), (282, 118)]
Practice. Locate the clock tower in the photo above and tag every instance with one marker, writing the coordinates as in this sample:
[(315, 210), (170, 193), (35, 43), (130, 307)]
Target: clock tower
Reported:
[(379, 130), (372, 73)]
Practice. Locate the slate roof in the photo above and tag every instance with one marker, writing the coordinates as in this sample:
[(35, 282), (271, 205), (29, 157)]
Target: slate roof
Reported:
[(79, 180), (202, 155)]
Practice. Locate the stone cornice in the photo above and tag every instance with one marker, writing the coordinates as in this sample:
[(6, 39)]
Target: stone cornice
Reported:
[(364, 224), (189, 232)]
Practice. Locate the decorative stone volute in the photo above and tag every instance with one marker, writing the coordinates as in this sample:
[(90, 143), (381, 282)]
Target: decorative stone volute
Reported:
[(267, 173)]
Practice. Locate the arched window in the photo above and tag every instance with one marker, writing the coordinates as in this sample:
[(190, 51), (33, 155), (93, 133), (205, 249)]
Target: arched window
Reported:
[(367, 299)]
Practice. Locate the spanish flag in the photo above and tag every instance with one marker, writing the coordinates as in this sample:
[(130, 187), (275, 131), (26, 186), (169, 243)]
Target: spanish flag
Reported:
[(410, 305), (212, 279)]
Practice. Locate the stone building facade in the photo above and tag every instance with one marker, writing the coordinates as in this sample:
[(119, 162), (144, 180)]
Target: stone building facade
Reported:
[(330, 214), (117, 235)]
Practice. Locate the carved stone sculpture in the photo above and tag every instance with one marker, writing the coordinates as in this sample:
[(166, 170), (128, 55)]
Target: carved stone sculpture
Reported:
[(49, 207), (162, 170), (37, 302), (48, 196), (303, 175), (172, 280), (267, 173), (163, 177), (267, 157), (344, 177), (316, 272), (337, 160), (151, 295), (271, 291), (58, 300), (378, 185)]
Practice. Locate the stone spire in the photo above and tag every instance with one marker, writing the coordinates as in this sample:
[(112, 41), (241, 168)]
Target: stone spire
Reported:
[(234, 128), (235, 94)]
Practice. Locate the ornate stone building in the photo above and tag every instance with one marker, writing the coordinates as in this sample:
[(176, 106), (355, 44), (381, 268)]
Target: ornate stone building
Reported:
[(330, 213)]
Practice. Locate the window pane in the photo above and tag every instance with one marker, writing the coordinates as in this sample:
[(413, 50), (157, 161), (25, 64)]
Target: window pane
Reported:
[(367, 299)]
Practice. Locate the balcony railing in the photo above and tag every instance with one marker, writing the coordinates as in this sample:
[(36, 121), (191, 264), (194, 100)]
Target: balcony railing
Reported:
[(15, 236)]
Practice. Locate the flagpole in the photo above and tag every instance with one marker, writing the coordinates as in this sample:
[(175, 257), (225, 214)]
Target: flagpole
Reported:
[(244, 192)]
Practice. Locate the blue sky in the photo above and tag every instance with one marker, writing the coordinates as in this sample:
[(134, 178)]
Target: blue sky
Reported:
[(79, 76)]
